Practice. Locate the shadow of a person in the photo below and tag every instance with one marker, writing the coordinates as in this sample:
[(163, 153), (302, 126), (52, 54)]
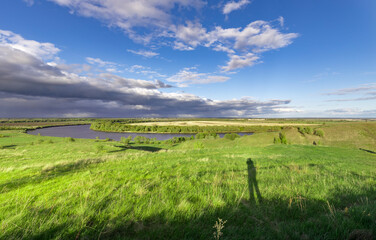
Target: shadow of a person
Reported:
[(252, 182)]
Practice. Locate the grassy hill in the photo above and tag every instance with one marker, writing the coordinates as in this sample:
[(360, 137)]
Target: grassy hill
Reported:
[(62, 188)]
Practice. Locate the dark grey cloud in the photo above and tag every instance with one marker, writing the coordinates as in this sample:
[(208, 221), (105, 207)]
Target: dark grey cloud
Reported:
[(31, 88)]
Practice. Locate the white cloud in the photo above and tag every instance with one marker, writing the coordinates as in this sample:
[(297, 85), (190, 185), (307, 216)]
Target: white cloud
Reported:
[(134, 68), (261, 36), (250, 42), (192, 34), (345, 91), (221, 48), (257, 36), (37, 49), (364, 92), (232, 6), (182, 47), (144, 53), (281, 21), (152, 22), (352, 112), (237, 61), (188, 76), (146, 71), (128, 14), (99, 62)]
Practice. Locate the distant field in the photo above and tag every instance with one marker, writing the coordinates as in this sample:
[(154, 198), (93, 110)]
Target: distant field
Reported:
[(220, 123)]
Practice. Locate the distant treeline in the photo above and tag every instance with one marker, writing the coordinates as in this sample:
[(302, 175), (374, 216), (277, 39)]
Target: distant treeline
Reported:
[(111, 126)]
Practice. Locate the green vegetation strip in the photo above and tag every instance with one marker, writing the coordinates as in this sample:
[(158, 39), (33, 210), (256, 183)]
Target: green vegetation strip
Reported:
[(112, 126)]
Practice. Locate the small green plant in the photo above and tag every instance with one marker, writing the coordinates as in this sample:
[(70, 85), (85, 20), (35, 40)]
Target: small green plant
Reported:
[(199, 145), (282, 136), (231, 136), (319, 132), (126, 141), (280, 139), (305, 130), (50, 141), (97, 139), (99, 148), (40, 141), (38, 134), (70, 139), (137, 139), (219, 225)]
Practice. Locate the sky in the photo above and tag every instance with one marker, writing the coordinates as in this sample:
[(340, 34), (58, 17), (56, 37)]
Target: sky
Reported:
[(188, 58)]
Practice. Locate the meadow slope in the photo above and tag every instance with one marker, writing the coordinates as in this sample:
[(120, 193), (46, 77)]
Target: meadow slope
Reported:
[(61, 188)]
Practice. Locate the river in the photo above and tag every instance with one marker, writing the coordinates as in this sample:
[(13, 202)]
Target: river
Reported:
[(84, 131)]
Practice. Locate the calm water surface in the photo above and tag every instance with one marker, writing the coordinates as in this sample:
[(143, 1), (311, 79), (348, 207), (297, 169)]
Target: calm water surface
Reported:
[(84, 131)]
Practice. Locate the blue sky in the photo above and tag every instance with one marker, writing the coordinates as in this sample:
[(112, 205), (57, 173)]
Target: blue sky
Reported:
[(181, 58)]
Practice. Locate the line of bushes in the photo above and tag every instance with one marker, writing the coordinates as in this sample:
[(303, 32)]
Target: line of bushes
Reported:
[(111, 126)]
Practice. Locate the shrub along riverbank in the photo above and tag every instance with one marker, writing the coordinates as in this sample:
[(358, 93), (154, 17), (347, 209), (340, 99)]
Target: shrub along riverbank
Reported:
[(112, 126)]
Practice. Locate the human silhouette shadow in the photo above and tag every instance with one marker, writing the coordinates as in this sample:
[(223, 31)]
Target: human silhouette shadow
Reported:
[(366, 150), (142, 148), (252, 183)]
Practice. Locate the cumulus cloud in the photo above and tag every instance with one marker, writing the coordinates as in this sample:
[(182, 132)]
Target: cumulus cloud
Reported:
[(236, 61), (144, 53), (243, 46), (29, 87), (233, 5), (192, 34), (189, 76), (152, 22), (129, 14), (37, 49)]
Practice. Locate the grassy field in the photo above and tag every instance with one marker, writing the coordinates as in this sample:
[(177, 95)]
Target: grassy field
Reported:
[(59, 188)]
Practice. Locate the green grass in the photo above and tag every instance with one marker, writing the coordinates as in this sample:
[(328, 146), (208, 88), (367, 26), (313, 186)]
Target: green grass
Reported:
[(87, 189)]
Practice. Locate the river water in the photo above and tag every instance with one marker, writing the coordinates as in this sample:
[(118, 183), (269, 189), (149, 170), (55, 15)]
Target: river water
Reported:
[(84, 131)]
